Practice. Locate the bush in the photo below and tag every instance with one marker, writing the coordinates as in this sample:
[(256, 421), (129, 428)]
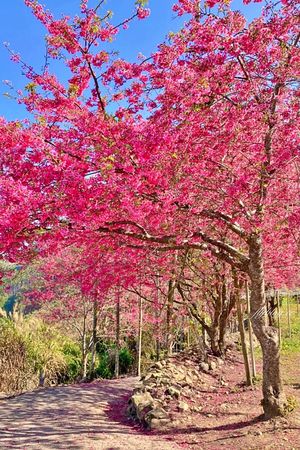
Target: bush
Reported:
[(106, 366), (72, 354), (126, 360), (16, 372), (33, 353)]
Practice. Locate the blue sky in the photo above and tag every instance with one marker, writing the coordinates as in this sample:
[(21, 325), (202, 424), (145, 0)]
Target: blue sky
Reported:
[(26, 36)]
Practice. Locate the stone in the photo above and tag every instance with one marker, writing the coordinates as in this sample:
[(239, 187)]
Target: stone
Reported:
[(220, 361), (204, 366), (197, 409), (212, 365), (173, 391), (141, 404), (156, 413), (158, 424), (182, 406), (179, 376), (195, 373), (189, 380), (157, 365)]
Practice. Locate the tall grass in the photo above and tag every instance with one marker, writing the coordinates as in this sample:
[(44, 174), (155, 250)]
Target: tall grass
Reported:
[(33, 353)]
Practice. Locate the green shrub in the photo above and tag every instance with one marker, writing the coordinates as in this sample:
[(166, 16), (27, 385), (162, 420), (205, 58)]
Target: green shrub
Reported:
[(104, 367), (126, 360)]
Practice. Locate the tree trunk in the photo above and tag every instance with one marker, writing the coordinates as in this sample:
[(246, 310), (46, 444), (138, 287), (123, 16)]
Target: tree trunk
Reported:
[(243, 339), (94, 339), (170, 307), (140, 335), (84, 350), (117, 358), (273, 395), (253, 365)]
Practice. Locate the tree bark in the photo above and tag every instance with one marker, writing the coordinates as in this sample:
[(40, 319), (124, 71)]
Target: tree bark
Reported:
[(94, 339), (253, 365), (140, 335), (273, 394), (117, 358), (243, 339), (84, 349), (170, 308)]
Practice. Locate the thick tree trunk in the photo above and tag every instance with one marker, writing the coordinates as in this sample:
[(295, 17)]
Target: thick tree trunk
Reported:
[(273, 395), (222, 309)]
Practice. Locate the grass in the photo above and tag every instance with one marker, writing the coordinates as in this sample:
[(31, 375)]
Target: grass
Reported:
[(290, 345)]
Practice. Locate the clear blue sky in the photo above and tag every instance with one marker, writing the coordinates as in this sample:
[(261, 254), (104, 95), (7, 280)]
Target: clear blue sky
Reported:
[(26, 36)]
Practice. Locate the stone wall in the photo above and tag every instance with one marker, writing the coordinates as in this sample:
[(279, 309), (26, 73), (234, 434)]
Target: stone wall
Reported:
[(169, 388)]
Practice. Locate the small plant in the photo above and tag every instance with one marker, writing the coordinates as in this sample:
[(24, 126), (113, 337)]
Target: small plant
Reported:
[(290, 405), (257, 379), (103, 370), (126, 360)]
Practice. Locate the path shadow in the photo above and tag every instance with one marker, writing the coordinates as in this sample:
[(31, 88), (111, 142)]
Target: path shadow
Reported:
[(61, 417)]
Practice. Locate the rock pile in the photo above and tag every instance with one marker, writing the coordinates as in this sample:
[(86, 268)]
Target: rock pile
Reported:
[(170, 388)]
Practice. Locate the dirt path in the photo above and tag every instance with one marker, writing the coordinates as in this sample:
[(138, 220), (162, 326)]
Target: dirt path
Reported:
[(77, 417)]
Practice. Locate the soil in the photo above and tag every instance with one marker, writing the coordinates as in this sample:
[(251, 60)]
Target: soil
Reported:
[(92, 416), (88, 416), (231, 415)]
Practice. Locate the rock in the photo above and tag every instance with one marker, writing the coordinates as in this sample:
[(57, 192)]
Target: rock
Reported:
[(157, 365), (152, 376), (189, 380), (219, 361), (258, 433), (140, 405), (165, 381), (182, 406), (157, 413), (179, 376), (196, 409), (195, 373), (149, 387), (204, 366), (158, 424), (173, 391), (212, 365)]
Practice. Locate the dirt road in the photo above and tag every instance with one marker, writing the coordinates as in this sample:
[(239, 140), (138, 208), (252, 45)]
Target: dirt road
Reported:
[(78, 417)]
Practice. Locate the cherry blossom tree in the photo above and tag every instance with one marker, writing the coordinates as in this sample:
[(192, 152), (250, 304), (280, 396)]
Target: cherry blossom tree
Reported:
[(201, 153)]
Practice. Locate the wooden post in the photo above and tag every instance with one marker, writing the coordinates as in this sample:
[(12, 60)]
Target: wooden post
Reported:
[(278, 318), (117, 356), (253, 365), (243, 340), (289, 315), (140, 335)]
